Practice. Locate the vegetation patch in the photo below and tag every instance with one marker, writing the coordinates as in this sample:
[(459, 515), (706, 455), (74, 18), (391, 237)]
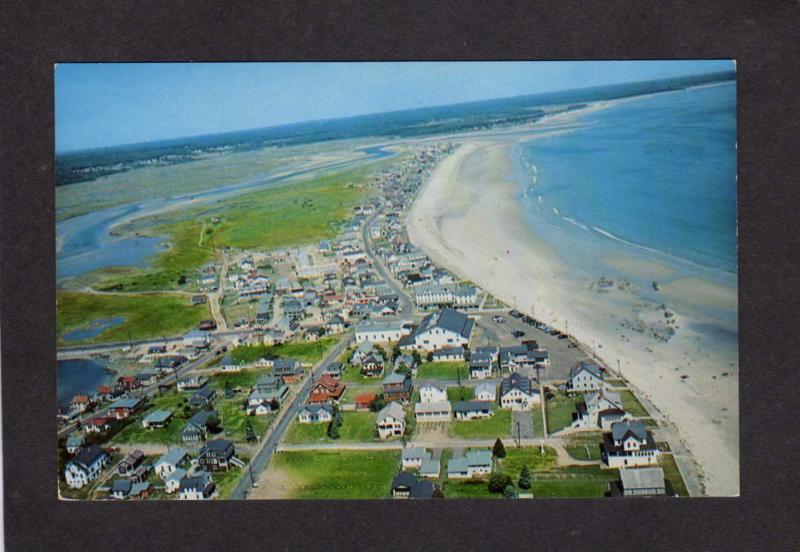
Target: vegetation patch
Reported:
[(673, 475), (443, 371), (309, 352), (560, 409), (632, 404), (498, 425), (357, 427)]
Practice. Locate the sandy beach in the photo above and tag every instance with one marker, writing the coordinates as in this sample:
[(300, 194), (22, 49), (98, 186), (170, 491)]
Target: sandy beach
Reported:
[(469, 219)]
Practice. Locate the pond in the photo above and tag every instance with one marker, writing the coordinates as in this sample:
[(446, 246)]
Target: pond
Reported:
[(94, 328)]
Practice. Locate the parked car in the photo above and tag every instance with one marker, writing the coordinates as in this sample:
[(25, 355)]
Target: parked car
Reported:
[(517, 333), (498, 319), (515, 313)]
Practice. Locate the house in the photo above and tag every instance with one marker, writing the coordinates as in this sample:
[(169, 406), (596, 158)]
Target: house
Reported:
[(472, 410), (585, 378), (121, 489), (314, 333), (108, 392), (412, 457), (364, 401), (485, 392), (206, 326), (406, 485), (147, 377), (642, 481), (196, 428), (199, 486), (432, 392), (217, 455), (518, 393), (333, 369), (438, 411), (197, 339), (315, 414), (157, 419), (381, 332), (129, 383), (629, 444), (85, 467), (81, 403), (372, 365), (154, 351), (475, 463), (406, 362), (446, 328), (192, 383), (480, 366), (287, 369), (449, 354), (227, 364), (173, 480), (267, 389), (122, 408), (335, 325), (293, 308), (326, 390), (361, 353), (140, 490), (203, 397), (199, 299), (130, 462), (430, 468), (170, 461), (140, 473), (391, 421), (97, 425), (599, 409), (397, 387), (74, 443), (169, 362)]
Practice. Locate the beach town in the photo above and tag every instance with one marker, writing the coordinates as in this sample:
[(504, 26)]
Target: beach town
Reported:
[(427, 347)]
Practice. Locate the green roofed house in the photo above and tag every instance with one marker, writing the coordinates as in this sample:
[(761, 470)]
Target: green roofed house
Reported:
[(197, 427), (473, 464), (157, 419)]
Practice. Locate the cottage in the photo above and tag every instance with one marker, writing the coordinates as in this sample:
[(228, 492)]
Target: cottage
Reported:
[(197, 339), (334, 370), (585, 378), (74, 443), (227, 364), (412, 457), (485, 392), (447, 328), (122, 408), (314, 333), (364, 401), (599, 409), (97, 425), (192, 383), (203, 397), (157, 419), (85, 467), (432, 392), (406, 485), (406, 363), (372, 365), (472, 410), (121, 488), (287, 369), (475, 463), (480, 366), (397, 387), (326, 390), (172, 481), (199, 486), (430, 468), (361, 353), (217, 455), (266, 390), (130, 462), (629, 444), (196, 428), (449, 354), (438, 411), (642, 481), (335, 325), (129, 383), (315, 414), (391, 421), (81, 403), (170, 461), (518, 393)]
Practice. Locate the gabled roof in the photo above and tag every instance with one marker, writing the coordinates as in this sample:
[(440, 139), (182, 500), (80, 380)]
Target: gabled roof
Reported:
[(158, 416), (394, 379), (217, 445), (642, 478), (595, 400), (471, 406), (438, 406), (621, 430), (172, 457), (394, 410), (485, 387), (121, 486), (313, 409), (88, 456), (450, 320), (404, 479), (130, 402), (592, 369), (201, 418), (517, 381), (412, 453)]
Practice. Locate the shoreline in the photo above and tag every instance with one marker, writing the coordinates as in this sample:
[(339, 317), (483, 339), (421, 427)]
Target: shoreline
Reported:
[(469, 206)]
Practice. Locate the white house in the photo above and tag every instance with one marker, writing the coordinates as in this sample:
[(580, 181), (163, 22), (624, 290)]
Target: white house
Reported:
[(447, 328), (449, 354), (172, 482), (629, 444), (196, 339), (315, 414), (439, 411), (227, 364), (480, 366), (474, 463), (599, 409), (585, 378), (432, 392), (485, 392), (199, 486), (381, 332), (85, 467), (472, 410), (412, 457), (391, 421), (642, 481), (518, 393), (170, 461)]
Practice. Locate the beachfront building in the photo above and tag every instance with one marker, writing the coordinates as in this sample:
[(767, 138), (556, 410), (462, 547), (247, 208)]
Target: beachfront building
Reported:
[(629, 444), (381, 332), (599, 410), (585, 378), (391, 421), (642, 481), (517, 392), (447, 328)]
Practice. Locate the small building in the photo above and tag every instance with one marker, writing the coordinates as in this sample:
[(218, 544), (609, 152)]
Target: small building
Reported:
[(333, 369), (173, 480), (372, 366), (97, 425), (480, 366), (449, 354), (473, 410), (170, 461), (406, 362), (364, 401), (75, 443), (599, 409), (85, 467), (196, 428), (446, 328), (122, 408), (217, 455), (157, 419), (629, 444), (315, 414), (266, 390), (439, 411), (121, 489), (642, 481), (391, 421), (130, 462), (485, 392), (381, 332), (412, 457), (586, 378), (288, 369), (518, 393), (227, 364), (197, 339), (203, 397), (199, 486), (397, 387), (326, 390), (475, 463), (192, 383), (406, 485), (432, 392)]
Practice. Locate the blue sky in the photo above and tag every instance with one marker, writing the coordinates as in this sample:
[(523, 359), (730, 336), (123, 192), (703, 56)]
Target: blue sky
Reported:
[(107, 104)]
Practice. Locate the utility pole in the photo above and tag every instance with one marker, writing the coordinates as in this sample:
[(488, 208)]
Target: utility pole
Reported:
[(619, 370), (519, 437)]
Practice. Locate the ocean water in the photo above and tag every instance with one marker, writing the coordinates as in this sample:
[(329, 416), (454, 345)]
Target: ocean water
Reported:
[(79, 376), (655, 176)]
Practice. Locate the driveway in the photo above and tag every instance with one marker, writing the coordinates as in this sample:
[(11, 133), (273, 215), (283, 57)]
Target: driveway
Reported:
[(522, 425)]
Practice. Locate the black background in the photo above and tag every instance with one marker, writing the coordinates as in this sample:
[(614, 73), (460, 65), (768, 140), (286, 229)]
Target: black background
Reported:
[(761, 36)]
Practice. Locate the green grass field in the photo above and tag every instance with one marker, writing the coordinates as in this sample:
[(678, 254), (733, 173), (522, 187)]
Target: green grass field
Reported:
[(353, 391), (146, 316), (538, 421), (673, 475), (339, 474), (584, 451), (305, 351), (455, 394), (352, 374), (357, 427), (225, 481), (443, 370), (498, 425), (632, 404), (234, 420), (559, 411), (244, 379)]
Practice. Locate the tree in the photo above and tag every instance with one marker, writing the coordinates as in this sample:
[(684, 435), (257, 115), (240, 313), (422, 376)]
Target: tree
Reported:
[(396, 352), (274, 404), (525, 479), (498, 482), (437, 493), (333, 430), (377, 403), (429, 357), (510, 491), (499, 450), (416, 356), (182, 280), (250, 434), (212, 423)]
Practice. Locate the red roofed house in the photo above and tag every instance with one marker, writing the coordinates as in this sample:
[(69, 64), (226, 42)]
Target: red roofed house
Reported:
[(326, 389), (364, 400), (97, 425), (108, 392), (129, 383), (80, 403)]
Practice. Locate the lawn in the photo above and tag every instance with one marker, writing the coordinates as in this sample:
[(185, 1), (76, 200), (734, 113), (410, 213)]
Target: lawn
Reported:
[(538, 421), (352, 374), (469, 488), (355, 390), (632, 404), (498, 425), (234, 420), (559, 411), (584, 450), (146, 316), (226, 480), (309, 352), (339, 474), (357, 427), (244, 379), (443, 370), (455, 394), (673, 475)]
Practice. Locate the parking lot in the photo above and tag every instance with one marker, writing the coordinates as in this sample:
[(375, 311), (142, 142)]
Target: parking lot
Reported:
[(562, 355)]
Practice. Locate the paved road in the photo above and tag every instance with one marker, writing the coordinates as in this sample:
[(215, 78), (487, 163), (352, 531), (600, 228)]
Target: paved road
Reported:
[(522, 425), (269, 445), (405, 304)]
